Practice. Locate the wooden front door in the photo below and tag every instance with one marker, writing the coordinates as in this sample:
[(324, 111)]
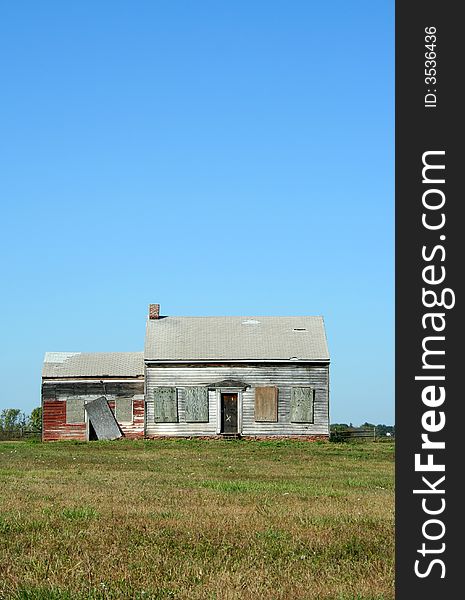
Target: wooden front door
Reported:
[(228, 413)]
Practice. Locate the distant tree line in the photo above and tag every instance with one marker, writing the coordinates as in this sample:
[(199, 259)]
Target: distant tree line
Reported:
[(13, 420), (381, 429)]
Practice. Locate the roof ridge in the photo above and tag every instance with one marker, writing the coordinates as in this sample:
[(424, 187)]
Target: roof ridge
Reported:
[(78, 353), (162, 317)]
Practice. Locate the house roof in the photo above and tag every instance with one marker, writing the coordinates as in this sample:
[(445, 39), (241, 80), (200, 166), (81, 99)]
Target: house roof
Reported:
[(236, 339), (93, 364)]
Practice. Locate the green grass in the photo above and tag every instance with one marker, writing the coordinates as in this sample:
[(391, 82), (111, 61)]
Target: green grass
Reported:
[(196, 519)]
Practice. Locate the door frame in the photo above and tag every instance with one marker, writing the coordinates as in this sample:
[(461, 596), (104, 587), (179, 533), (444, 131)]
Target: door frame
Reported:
[(228, 390), (86, 421)]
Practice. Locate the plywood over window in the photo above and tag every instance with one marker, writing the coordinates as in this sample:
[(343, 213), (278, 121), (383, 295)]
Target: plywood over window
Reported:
[(266, 404), (196, 404), (75, 410), (123, 410), (102, 420), (165, 405), (302, 405)]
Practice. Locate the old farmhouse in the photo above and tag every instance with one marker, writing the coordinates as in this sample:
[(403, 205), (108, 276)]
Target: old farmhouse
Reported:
[(198, 376)]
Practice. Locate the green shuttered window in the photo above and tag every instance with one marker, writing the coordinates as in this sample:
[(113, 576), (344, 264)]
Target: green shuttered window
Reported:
[(123, 410), (196, 404), (266, 404), (165, 402), (302, 405), (75, 410)]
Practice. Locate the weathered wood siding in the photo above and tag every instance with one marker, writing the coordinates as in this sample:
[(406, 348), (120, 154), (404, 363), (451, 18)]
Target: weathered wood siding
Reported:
[(56, 393), (54, 426), (283, 376)]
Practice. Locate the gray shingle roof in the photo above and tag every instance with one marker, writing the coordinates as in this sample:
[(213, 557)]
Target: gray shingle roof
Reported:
[(236, 338), (93, 364)]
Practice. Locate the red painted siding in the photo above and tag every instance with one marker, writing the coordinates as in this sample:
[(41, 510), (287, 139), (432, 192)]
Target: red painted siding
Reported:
[(56, 428)]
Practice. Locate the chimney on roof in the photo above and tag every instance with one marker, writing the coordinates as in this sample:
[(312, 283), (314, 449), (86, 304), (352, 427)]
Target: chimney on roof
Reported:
[(154, 311)]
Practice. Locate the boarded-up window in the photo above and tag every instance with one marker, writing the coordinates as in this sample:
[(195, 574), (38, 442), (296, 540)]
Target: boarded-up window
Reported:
[(196, 404), (123, 410), (302, 405), (165, 403), (266, 404), (75, 410)]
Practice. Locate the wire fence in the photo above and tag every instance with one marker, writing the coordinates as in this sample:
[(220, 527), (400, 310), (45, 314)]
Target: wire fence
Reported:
[(22, 433)]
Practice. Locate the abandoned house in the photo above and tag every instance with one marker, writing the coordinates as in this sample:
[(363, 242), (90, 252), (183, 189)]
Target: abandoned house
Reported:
[(198, 376)]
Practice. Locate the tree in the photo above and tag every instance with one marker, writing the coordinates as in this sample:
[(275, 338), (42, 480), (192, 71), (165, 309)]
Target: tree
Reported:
[(11, 419), (383, 430), (35, 419)]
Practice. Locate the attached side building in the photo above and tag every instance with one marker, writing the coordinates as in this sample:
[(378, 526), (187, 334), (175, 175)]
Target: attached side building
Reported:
[(249, 376), (70, 380)]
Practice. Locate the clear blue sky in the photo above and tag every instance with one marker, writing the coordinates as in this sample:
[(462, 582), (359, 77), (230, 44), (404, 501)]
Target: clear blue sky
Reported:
[(216, 157)]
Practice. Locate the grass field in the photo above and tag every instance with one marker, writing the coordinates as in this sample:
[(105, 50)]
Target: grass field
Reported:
[(196, 519)]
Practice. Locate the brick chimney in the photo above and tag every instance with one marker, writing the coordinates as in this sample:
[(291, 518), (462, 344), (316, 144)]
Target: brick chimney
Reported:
[(154, 311)]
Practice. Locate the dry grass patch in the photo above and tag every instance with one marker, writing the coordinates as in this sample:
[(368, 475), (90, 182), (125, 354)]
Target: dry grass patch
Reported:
[(195, 520)]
